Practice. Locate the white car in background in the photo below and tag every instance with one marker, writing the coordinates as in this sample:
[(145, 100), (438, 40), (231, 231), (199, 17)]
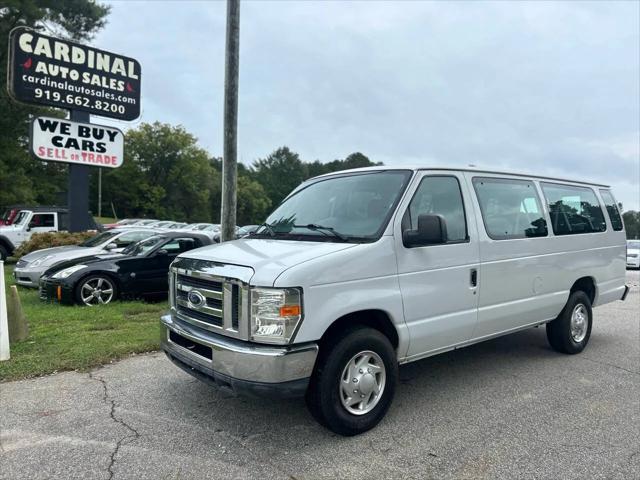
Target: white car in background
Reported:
[(633, 253), (30, 267)]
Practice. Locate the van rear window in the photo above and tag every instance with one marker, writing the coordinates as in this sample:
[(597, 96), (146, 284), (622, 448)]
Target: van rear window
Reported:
[(612, 209), (573, 210)]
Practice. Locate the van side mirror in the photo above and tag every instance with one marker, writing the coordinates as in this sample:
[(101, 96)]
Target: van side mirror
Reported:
[(432, 230), (111, 246)]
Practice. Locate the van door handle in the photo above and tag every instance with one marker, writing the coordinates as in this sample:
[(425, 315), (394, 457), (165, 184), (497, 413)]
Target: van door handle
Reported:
[(474, 277)]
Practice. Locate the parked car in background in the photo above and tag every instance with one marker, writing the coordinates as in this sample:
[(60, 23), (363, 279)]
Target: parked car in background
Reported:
[(121, 223), (143, 223), (160, 224), (176, 226), (205, 227), (359, 271), (633, 253), (141, 270), (11, 212), (247, 230), (218, 234), (30, 267), (28, 222)]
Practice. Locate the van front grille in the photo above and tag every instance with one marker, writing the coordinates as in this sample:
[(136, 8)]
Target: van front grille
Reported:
[(214, 303)]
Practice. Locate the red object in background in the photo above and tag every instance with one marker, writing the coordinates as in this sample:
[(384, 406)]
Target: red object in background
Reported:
[(9, 216)]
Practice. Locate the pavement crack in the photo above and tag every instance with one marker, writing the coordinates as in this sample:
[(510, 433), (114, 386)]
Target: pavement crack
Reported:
[(130, 437), (611, 365)]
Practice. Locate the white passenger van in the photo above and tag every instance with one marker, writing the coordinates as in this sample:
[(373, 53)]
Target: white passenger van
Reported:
[(359, 271)]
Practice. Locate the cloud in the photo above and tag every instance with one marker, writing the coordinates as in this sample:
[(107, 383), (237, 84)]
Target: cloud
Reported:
[(551, 88)]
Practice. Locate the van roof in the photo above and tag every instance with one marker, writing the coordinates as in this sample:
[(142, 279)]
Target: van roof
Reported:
[(463, 169)]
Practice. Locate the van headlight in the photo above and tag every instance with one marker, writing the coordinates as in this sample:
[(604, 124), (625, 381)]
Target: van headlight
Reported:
[(275, 314), (67, 272)]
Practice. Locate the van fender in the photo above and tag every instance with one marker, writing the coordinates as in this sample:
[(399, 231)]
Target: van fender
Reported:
[(330, 303)]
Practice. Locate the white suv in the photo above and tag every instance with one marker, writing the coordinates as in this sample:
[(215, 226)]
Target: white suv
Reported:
[(633, 253), (26, 223)]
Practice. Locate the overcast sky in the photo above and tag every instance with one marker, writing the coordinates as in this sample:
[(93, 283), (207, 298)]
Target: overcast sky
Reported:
[(550, 88)]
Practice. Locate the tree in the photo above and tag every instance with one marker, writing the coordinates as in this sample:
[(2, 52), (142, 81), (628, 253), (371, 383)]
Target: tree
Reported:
[(279, 173), (253, 203), (23, 179), (354, 160), (164, 175), (631, 220)]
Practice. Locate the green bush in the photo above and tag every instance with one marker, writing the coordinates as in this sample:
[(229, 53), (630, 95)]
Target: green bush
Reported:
[(51, 239)]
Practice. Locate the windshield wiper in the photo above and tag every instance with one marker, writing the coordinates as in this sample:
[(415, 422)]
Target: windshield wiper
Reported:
[(323, 229), (268, 227)]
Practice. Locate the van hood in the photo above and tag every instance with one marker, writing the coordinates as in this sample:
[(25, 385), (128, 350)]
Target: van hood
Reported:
[(268, 258)]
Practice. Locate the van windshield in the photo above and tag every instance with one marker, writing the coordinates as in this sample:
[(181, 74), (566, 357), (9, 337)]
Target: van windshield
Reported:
[(341, 208)]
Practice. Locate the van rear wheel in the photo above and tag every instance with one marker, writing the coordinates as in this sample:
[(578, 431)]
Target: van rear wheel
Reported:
[(570, 332), (354, 382)]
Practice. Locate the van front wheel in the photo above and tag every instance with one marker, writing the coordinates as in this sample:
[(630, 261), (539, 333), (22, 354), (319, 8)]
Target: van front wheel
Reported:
[(354, 382), (570, 332)]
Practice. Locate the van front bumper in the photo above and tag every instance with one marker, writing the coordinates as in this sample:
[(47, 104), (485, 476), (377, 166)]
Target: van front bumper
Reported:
[(245, 368)]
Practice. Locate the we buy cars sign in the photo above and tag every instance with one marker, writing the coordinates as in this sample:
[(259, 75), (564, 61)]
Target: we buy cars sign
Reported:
[(57, 140)]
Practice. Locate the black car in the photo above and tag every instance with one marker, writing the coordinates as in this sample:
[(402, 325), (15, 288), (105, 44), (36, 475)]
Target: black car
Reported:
[(141, 270)]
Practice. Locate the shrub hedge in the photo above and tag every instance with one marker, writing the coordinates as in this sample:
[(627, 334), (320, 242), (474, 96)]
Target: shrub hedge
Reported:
[(51, 239)]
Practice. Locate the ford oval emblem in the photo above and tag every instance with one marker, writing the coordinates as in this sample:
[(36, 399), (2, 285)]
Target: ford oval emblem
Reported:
[(196, 299)]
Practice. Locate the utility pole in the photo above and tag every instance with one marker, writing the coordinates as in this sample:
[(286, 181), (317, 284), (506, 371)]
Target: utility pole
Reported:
[(230, 147), (99, 192)]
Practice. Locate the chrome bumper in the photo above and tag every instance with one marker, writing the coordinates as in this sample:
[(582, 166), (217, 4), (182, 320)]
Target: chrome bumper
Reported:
[(237, 359)]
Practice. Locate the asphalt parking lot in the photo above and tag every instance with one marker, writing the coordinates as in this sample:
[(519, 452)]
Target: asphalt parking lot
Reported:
[(508, 408)]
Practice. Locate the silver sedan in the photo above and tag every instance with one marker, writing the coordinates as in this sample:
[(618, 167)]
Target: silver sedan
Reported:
[(30, 267)]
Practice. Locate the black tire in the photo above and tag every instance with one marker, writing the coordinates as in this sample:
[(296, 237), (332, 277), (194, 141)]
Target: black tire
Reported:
[(3, 253), (324, 393), (93, 279), (559, 331)]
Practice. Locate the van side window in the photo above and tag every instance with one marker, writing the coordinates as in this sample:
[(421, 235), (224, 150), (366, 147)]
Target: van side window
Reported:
[(573, 210), (439, 195), (510, 208), (612, 209)]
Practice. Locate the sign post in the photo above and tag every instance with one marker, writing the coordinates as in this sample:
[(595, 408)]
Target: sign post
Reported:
[(59, 73), (78, 186), (4, 319)]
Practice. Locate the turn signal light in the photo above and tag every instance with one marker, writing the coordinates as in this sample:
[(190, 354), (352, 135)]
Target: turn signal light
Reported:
[(290, 311)]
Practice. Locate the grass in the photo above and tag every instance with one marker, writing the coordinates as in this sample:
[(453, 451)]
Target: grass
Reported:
[(105, 219), (79, 338)]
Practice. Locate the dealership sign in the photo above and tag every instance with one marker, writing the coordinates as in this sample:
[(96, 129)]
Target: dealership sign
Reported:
[(50, 71), (57, 140)]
